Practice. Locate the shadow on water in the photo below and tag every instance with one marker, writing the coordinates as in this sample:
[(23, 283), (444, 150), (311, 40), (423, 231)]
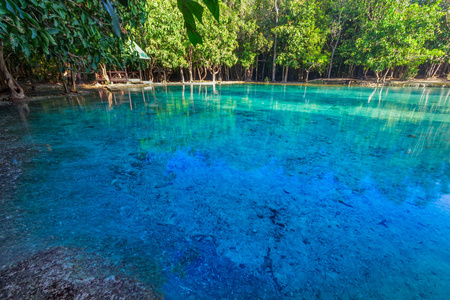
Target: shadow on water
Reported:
[(243, 191)]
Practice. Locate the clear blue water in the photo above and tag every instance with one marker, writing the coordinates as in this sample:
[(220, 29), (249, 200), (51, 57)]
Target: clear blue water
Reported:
[(243, 191)]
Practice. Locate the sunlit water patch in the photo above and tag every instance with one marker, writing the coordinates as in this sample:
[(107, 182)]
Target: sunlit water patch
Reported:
[(242, 191)]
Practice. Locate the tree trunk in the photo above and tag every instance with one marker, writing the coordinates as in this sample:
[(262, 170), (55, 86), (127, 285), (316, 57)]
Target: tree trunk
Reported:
[(64, 82), (436, 70), (191, 77), (307, 75), (182, 74), (3, 85), (73, 79), (263, 68), (274, 65), (332, 53), (365, 73), (104, 73), (385, 74), (256, 66), (14, 88)]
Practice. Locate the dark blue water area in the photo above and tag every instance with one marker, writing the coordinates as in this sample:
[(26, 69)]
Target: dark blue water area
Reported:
[(242, 191)]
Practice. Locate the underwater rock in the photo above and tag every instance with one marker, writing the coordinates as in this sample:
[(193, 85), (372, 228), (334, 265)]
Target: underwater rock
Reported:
[(63, 273)]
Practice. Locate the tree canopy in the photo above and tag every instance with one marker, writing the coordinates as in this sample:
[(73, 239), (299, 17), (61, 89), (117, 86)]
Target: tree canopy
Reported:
[(235, 40)]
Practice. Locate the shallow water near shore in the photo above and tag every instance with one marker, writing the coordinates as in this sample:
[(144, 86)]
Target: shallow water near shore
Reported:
[(241, 191)]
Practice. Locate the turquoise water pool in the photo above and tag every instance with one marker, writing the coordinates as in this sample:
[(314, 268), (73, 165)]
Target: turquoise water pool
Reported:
[(242, 191)]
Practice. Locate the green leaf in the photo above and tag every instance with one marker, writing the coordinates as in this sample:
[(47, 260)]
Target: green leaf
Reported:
[(50, 38), (115, 20), (13, 39), (53, 31), (9, 7), (213, 6), (26, 50), (193, 35), (33, 33), (19, 10), (190, 7)]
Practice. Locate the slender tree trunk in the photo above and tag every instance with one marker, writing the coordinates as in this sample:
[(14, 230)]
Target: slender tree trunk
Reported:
[(3, 85), (256, 66), (332, 53), (365, 73), (104, 73), (263, 68), (274, 65), (286, 75), (182, 74), (436, 70), (73, 79), (385, 74), (64, 82), (14, 88), (307, 75), (205, 73), (191, 77)]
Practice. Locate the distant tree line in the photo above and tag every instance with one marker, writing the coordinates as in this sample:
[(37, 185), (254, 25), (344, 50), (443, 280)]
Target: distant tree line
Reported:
[(262, 40)]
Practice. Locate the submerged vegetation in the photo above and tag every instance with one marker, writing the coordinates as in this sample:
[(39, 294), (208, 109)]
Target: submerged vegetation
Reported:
[(236, 40)]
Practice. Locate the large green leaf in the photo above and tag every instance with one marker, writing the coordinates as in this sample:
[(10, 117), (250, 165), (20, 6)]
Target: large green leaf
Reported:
[(213, 6), (115, 19), (190, 7), (9, 7), (53, 30)]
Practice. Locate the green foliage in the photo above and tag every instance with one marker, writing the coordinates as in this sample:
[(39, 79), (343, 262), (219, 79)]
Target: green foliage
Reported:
[(237, 36), (302, 39)]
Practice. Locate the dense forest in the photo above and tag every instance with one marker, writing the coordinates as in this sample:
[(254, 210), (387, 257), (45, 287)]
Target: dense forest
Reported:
[(252, 40)]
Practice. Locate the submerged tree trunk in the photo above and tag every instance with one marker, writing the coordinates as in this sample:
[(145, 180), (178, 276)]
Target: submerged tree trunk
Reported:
[(15, 89)]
